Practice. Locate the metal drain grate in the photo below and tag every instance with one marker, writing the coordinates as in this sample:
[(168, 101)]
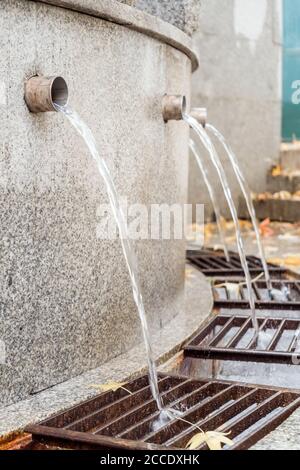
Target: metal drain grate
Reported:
[(118, 420), (213, 263), (229, 294), (231, 337)]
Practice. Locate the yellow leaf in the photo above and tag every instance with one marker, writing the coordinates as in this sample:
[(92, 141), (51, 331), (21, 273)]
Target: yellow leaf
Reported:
[(213, 443), (213, 439), (220, 436), (277, 170), (196, 441), (292, 260), (289, 261), (110, 386), (282, 195)]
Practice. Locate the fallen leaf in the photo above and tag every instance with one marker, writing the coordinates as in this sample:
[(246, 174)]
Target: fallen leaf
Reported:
[(263, 196), (265, 228), (245, 224), (213, 439), (292, 260), (110, 386), (282, 195), (209, 230), (277, 170), (276, 261)]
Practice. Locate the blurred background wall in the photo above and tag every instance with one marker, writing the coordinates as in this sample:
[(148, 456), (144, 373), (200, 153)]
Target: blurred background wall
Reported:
[(240, 82)]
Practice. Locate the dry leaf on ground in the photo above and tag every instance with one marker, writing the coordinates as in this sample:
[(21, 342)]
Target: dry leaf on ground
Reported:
[(265, 229), (282, 195), (277, 170), (292, 260), (110, 386), (263, 196), (276, 261), (213, 439)]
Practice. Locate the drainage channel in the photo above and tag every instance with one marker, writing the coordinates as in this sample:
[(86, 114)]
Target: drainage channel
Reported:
[(233, 294), (213, 263), (231, 337), (121, 420), (209, 392)]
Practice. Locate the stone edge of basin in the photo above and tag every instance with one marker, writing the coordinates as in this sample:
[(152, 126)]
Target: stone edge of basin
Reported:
[(131, 18), (166, 343)]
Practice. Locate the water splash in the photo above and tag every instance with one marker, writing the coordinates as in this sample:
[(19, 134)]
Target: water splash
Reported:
[(247, 195), (206, 141), (213, 197), (281, 295), (88, 137)]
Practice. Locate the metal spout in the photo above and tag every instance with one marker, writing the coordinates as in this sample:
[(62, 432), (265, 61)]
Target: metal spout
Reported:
[(43, 93), (173, 107), (200, 114)]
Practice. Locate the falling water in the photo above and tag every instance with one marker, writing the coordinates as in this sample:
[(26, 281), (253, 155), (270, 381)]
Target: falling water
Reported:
[(85, 132), (247, 195), (203, 136), (212, 197)]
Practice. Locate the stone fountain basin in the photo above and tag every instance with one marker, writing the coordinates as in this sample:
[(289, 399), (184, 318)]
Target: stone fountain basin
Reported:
[(66, 298)]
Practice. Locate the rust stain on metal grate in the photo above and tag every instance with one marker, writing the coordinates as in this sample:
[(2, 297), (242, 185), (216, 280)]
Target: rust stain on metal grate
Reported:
[(233, 294), (213, 263), (231, 337), (116, 420)]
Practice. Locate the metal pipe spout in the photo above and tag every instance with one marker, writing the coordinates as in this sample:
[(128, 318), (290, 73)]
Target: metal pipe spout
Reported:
[(43, 93), (173, 107), (200, 114)]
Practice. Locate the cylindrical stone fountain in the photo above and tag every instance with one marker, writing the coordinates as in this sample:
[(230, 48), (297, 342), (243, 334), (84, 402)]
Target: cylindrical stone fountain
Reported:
[(66, 300)]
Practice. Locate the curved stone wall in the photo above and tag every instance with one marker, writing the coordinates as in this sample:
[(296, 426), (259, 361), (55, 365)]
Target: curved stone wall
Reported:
[(66, 300)]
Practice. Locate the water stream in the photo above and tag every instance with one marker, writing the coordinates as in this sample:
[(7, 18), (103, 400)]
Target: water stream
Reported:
[(129, 254), (247, 195), (213, 197), (206, 141)]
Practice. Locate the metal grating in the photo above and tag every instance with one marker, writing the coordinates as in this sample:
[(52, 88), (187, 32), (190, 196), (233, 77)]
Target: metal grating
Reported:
[(213, 263), (118, 420), (231, 337), (232, 294)]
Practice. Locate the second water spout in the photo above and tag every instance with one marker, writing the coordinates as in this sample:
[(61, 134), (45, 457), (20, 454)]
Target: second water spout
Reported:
[(204, 138), (212, 196), (247, 195)]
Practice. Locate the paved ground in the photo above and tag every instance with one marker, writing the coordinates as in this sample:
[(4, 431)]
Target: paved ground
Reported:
[(282, 246), (281, 241)]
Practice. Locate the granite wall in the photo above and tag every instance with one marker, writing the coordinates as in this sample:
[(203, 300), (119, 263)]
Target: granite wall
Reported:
[(184, 14), (66, 299)]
